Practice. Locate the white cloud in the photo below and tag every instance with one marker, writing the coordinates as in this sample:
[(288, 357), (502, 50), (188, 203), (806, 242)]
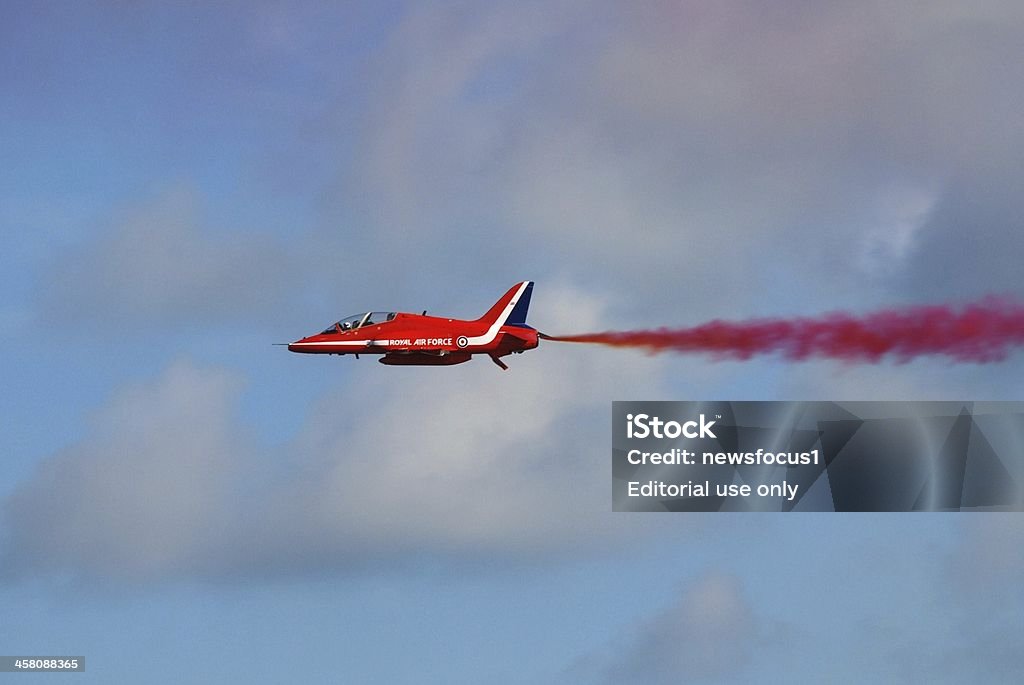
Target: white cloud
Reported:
[(733, 154), (889, 239), (464, 462), (157, 263), (426, 134), (729, 159), (708, 634), (146, 493)]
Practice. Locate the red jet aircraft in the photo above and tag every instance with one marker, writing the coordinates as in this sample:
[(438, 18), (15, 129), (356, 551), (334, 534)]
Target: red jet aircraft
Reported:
[(421, 340)]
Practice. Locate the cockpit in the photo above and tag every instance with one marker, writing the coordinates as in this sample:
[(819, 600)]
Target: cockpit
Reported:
[(350, 323)]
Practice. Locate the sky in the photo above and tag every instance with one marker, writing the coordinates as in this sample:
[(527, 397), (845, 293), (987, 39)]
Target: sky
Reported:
[(186, 183)]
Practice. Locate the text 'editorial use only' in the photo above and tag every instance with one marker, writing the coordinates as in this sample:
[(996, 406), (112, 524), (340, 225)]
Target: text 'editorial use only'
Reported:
[(817, 456)]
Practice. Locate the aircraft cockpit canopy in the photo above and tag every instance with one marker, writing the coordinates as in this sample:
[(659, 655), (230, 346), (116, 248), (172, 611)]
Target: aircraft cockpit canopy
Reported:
[(350, 323)]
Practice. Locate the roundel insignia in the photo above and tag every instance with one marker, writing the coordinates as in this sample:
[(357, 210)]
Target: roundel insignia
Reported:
[(462, 341)]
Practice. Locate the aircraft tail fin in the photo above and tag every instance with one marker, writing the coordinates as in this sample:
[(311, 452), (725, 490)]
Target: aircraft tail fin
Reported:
[(511, 309)]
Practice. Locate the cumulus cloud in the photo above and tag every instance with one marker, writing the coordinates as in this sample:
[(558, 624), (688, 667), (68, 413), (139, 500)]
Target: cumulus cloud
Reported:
[(158, 262), (735, 153), (466, 463), (708, 634), (456, 77), (146, 493), (945, 608), (968, 244), (728, 158)]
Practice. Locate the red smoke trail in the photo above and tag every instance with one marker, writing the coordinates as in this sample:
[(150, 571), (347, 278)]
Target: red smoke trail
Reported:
[(984, 331)]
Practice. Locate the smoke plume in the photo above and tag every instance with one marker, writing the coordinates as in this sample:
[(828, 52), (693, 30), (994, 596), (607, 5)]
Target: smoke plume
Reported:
[(984, 331)]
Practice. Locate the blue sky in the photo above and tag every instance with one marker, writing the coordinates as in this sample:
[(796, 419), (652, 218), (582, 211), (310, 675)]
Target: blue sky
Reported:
[(185, 185)]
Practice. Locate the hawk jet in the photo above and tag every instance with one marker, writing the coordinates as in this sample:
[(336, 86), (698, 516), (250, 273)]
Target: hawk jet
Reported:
[(404, 339)]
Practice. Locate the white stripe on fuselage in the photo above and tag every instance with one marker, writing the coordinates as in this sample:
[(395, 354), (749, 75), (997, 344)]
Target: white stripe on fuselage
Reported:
[(492, 332), (350, 343)]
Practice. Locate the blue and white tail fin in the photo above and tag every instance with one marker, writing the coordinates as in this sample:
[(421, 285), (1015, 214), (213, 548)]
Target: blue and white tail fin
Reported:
[(511, 309), (518, 315)]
